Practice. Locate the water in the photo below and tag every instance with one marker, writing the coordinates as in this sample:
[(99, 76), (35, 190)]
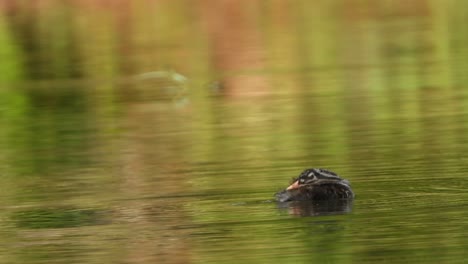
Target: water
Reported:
[(143, 132)]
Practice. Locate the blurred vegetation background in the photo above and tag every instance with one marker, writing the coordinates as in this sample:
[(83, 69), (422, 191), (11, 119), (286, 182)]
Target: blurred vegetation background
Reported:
[(381, 59)]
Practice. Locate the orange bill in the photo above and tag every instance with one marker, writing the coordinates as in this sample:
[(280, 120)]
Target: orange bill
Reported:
[(295, 185)]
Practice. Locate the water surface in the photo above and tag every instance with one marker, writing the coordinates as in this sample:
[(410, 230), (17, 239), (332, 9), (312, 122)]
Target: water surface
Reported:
[(128, 137)]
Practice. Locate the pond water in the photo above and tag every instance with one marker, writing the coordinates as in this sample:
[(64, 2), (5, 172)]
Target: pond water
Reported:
[(159, 132)]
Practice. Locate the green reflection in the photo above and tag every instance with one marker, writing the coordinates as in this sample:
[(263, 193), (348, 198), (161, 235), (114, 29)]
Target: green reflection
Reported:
[(56, 218), (94, 111)]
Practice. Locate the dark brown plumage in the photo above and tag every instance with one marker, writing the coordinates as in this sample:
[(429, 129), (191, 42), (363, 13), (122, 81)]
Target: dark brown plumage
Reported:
[(316, 184)]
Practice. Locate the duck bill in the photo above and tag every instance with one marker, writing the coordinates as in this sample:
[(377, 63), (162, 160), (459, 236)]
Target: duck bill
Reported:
[(295, 185)]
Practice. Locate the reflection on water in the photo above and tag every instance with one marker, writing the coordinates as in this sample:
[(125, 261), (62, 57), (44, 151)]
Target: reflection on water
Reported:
[(158, 132), (55, 217), (317, 208)]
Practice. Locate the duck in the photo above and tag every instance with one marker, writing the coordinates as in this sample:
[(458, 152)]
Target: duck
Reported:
[(316, 184)]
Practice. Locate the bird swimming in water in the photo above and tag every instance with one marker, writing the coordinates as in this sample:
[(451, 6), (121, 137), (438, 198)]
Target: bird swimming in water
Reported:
[(316, 184)]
